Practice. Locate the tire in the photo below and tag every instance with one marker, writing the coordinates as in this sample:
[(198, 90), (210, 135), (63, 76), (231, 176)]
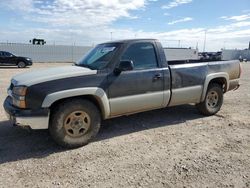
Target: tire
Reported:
[(74, 123), (21, 64), (213, 100)]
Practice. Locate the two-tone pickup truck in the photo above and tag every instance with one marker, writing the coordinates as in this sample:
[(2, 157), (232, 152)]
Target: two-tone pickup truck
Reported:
[(114, 79)]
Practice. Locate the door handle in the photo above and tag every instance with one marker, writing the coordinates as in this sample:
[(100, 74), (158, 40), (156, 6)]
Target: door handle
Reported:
[(157, 76)]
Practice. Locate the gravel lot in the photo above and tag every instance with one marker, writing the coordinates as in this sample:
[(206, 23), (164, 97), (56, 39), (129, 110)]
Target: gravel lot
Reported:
[(173, 147)]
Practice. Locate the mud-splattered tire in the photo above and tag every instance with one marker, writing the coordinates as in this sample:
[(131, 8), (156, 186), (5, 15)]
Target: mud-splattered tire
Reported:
[(213, 100), (74, 123)]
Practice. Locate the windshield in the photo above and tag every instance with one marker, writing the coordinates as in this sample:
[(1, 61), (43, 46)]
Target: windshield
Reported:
[(99, 57)]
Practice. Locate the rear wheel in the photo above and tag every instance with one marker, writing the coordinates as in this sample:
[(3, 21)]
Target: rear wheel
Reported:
[(213, 100), (21, 64), (74, 123)]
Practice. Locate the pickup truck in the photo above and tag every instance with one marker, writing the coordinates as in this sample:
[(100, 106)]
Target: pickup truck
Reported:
[(114, 79)]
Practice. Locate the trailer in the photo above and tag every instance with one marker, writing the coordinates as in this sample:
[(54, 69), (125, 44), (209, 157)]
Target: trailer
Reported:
[(236, 54), (181, 54)]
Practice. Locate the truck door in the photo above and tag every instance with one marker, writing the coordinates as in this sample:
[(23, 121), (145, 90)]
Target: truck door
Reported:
[(139, 89)]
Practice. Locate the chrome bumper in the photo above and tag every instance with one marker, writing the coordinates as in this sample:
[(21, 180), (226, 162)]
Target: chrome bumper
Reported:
[(32, 122)]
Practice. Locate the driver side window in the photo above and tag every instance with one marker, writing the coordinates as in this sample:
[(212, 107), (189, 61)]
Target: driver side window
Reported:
[(6, 54), (142, 54)]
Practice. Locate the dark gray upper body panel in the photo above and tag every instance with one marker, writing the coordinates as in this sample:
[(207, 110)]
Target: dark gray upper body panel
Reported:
[(232, 68), (192, 74), (187, 75)]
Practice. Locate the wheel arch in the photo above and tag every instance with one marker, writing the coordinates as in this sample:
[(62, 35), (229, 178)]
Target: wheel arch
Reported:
[(95, 95), (18, 59), (221, 78)]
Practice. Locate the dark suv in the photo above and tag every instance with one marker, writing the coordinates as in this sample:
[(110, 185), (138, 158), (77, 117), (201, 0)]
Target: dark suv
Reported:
[(7, 58)]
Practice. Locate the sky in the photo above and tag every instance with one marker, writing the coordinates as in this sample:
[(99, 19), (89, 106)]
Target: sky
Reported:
[(176, 23)]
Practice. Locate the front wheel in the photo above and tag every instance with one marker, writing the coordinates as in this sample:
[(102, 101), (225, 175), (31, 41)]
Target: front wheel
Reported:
[(213, 100), (21, 64), (74, 123)]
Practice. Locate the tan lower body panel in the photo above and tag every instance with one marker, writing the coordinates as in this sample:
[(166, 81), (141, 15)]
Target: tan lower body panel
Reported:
[(186, 95), (138, 103)]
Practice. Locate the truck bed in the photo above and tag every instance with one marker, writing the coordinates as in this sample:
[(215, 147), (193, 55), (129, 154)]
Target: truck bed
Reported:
[(188, 78)]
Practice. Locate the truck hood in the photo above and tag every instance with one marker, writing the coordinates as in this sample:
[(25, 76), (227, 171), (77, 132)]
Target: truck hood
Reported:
[(44, 75)]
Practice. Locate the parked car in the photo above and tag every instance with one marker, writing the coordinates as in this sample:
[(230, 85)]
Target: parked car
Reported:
[(7, 58), (241, 59), (114, 79)]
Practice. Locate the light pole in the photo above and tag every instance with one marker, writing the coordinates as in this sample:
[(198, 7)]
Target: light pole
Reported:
[(197, 45), (111, 37), (205, 38)]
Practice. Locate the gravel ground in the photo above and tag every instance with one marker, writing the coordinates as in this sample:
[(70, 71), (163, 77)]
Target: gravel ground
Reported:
[(173, 147)]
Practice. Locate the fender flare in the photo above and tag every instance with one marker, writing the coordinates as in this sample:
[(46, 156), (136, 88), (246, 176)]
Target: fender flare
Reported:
[(98, 93), (211, 77)]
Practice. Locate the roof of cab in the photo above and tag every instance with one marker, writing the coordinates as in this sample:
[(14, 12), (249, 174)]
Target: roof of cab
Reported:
[(130, 41)]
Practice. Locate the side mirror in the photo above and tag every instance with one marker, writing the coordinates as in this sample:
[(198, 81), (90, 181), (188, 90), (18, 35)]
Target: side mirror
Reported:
[(125, 65)]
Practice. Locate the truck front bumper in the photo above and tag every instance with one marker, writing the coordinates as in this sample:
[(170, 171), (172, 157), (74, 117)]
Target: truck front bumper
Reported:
[(29, 63), (35, 119)]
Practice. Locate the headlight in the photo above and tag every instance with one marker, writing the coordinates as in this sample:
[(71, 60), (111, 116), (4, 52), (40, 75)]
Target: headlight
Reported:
[(19, 90), (19, 93)]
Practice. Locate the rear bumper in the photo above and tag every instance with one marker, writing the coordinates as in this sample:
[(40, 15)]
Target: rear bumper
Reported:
[(35, 119)]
